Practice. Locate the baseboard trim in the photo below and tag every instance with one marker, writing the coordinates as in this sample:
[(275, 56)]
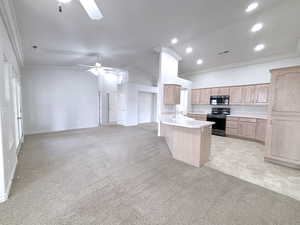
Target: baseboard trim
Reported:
[(5, 196), (282, 163)]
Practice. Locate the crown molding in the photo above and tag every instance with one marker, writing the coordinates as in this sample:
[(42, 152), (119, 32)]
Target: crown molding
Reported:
[(8, 16), (244, 64)]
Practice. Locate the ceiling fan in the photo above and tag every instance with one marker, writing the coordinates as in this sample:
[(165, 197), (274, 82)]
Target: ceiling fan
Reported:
[(90, 7), (98, 69)]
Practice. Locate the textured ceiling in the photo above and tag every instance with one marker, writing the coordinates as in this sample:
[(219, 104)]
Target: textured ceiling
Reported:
[(130, 30)]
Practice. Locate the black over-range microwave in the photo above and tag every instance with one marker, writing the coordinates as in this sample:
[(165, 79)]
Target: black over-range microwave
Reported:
[(219, 100)]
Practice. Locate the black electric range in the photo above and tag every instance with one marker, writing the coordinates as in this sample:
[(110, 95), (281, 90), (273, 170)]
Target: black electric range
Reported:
[(218, 115)]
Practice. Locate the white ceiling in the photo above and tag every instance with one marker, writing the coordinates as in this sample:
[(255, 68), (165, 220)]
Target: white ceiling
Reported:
[(130, 30)]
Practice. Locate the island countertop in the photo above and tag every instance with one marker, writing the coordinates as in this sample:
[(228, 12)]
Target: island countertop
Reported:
[(182, 121)]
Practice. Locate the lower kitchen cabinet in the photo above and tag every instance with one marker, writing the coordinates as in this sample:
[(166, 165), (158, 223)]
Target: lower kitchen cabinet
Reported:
[(248, 128), (261, 130), (231, 131)]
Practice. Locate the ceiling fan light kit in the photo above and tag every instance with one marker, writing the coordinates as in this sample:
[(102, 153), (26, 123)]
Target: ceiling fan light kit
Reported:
[(92, 9), (90, 6)]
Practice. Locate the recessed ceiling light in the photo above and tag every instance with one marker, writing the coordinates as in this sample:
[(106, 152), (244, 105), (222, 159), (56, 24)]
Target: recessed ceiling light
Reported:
[(257, 27), (174, 41), (252, 7), (64, 1), (259, 47), (199, 61), (189, 50)]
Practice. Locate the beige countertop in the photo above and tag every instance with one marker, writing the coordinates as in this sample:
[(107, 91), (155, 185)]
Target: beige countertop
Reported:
[(198, 113), (182, 121), (257, 116)]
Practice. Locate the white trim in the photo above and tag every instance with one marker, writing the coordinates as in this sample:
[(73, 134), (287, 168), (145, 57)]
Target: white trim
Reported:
[(243, 64), (5, 196), (8, 15)]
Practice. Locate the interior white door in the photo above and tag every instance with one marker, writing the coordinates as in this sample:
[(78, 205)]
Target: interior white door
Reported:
[(145, 107), (19, 111), (113, 116)]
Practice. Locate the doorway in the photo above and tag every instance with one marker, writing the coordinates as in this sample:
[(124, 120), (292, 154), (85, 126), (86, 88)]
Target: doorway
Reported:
[(146, 107)]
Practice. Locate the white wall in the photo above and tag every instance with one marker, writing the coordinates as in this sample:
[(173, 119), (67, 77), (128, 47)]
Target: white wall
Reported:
[(253, 74), (58, 99), (129, 102), (8, 157)]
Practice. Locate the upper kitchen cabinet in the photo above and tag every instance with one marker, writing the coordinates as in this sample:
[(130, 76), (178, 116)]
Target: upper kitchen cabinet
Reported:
[(172, 94), (201, 96), (283, 136), (248, 95), (255, 94), (235, 95), (223, 91), (195, 96), (262, 94), (205, 96), (220, 91)]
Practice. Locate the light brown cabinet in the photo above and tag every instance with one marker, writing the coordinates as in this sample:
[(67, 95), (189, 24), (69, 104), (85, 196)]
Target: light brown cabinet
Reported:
[(235, 95), (172, 94), (214, 91), (220, 91), (248, 95), (248, 128), (223, 91), (195, 96), (205, 96), (283, 136), (262, 94), (256, 94), (261, 130)]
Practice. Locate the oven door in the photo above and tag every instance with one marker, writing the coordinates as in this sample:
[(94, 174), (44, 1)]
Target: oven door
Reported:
[(220, 124)]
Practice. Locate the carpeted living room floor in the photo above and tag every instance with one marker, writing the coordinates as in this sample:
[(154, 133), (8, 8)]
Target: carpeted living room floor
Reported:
[(125, 175)]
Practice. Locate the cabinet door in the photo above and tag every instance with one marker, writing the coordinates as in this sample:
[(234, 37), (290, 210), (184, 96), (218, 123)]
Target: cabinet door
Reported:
[(235, 95), (285, 140), (247, 130), (214, 91), (232, 131), (177, 90), (261, 128), (205, 96), (171, 94), (248, 95), (223, 91), (195, 97), (262, 94)]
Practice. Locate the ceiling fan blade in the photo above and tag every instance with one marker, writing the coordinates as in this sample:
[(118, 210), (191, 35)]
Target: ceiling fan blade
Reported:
[(88, 66), (92, 9), (114, 70)]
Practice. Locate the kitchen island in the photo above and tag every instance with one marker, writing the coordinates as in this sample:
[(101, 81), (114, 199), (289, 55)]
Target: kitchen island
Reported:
[(189, 140)]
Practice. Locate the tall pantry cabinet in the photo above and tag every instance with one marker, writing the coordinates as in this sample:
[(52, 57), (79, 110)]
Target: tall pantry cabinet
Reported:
[(283, 136)]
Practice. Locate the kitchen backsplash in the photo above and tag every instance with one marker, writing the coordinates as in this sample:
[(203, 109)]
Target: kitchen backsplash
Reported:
[(235, 109)]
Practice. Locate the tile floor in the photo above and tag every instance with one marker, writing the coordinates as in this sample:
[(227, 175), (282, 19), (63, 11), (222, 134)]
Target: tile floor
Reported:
[(244, 159)]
